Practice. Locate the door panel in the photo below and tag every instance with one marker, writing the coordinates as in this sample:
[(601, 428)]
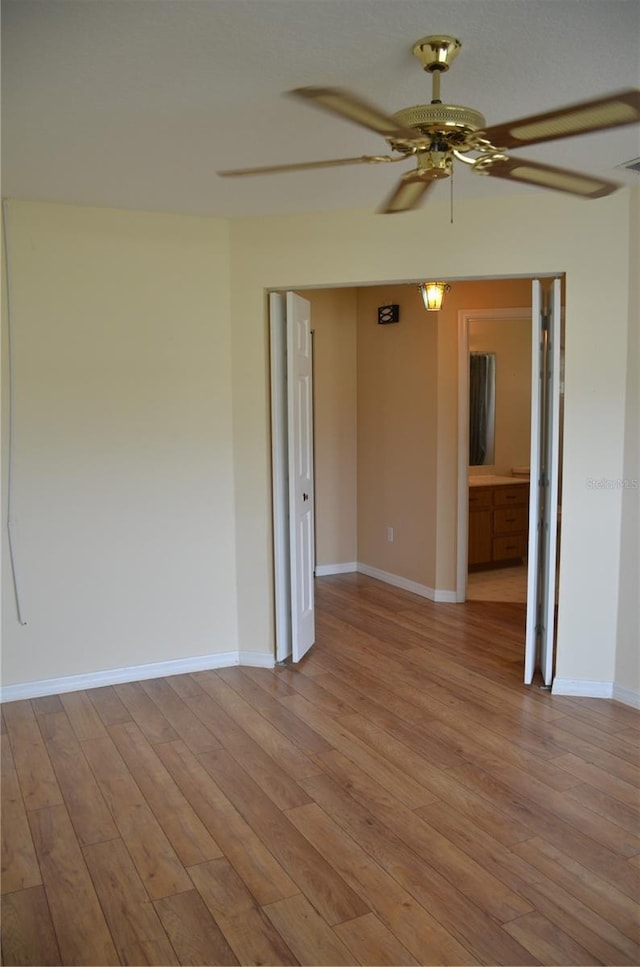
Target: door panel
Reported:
[(293, 473), (301, 497), (543, 498), (551, 460), (280, 472)]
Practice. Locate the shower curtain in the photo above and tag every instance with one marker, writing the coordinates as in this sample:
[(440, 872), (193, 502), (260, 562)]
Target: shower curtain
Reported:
[(481, 382)]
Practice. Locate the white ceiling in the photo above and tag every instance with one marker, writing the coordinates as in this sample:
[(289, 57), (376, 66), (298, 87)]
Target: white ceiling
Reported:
[(137, 103)]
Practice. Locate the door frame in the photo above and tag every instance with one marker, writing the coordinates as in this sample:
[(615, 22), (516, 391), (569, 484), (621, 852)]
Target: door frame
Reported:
[(465, 317)]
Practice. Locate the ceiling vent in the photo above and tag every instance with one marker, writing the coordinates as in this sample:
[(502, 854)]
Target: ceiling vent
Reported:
[(633, 165)]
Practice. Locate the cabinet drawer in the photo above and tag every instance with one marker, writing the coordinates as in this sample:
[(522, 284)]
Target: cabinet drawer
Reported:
[(479, 498), (510, 520), (509, 548), (507, 495)]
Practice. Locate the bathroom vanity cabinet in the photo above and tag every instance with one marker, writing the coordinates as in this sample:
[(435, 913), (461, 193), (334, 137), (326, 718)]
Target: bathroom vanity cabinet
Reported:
[(498, 521)]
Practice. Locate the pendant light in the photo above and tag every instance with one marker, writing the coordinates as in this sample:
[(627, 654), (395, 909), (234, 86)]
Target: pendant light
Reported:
[(433, 294)]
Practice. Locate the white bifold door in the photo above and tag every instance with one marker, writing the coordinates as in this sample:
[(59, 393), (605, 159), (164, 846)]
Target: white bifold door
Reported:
[(293, 475), (544, 472)]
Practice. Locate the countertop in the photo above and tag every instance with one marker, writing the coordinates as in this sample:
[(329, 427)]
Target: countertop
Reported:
[(492, 480)]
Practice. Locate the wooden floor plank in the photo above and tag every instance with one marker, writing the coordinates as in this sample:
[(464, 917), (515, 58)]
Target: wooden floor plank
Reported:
[(371, 942), (160, 869), (250, 933), (410, 791), (599, 778), (20, 868), (136, 929), (85, 803), (28, 936), (145, 713), (582, 883), (548, 942), (193, 932), (264, 877), (269, 739), (401, 841), (560, 831), (476, 812), (180, 823), (488, 852), (81, 931), (187, 725), (603, 941), (266, 771), (33, 767), (328, 892), (411, 923), (44, 704), (627, 816), (306, 933), (85, 721), (109, 707)]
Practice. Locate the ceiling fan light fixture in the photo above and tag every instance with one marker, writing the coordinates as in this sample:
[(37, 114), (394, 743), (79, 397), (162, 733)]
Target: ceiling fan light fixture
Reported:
[(433, 294)]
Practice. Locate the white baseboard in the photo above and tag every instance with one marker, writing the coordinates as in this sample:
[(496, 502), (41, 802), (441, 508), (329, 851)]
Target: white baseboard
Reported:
[(133, 673), (626, 695), (582, 688), (322, 570), (585, 688), (433, 594)]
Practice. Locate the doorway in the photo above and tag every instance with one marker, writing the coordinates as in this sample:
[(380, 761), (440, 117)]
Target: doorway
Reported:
[(494, 444), (387, 430), (508, 511)]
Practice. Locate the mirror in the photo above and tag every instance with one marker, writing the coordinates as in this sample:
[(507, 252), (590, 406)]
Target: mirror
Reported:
[(482, 408)]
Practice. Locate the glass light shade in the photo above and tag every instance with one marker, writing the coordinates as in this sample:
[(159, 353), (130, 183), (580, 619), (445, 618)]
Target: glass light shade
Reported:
[(433, 294)]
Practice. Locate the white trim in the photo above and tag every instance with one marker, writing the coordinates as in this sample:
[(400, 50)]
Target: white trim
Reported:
[(626, 695), (133, 673), (322, 570), (254, 659), (582, 688), (433, 594), (586, 688)]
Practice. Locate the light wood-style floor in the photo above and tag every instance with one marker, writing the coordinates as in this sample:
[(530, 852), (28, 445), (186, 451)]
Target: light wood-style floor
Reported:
[(501, 584), (398, 798)]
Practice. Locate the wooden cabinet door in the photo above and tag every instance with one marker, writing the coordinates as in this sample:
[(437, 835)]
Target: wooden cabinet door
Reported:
[(480, 536)]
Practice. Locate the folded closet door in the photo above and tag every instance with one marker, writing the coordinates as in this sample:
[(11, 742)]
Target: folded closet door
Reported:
[(543, 497), (293, 473)]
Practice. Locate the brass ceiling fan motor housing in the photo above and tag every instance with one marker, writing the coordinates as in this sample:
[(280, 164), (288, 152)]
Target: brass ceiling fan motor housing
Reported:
[(450, 124), (454, 124)]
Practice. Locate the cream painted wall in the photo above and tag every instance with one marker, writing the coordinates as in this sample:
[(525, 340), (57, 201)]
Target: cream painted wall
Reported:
[(123, 460), (333, 321), (520, 235), (510, 341), (397, 398), (130, 477), (628, 646)]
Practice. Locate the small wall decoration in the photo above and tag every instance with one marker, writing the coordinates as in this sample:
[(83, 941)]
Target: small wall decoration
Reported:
[(387, 314)]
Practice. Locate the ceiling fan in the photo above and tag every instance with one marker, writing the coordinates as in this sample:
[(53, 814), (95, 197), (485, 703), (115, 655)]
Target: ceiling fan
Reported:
[(435, 134)]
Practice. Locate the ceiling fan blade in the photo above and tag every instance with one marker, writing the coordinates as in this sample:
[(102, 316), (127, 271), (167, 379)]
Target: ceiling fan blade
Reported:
[(354, 108), (304, 165), (546, 176), (612, 111), (408, 193)]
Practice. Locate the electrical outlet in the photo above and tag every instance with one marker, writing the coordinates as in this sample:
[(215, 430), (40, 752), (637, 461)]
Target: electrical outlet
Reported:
[(390, 534)]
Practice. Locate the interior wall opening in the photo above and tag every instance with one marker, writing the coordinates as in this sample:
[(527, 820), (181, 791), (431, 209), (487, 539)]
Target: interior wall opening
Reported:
[(386, 429)]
